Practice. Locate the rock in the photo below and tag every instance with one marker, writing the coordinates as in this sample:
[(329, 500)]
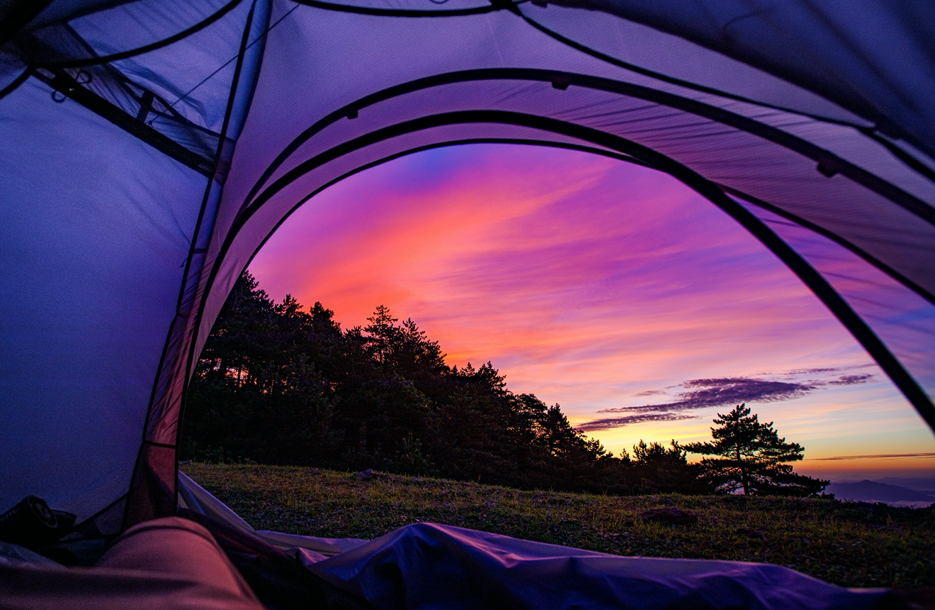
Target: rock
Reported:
[(669, 515), (365, 475), (751, 533), (617, 535)]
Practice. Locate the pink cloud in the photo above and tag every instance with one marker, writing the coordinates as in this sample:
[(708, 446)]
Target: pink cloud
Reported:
[(585, 280)]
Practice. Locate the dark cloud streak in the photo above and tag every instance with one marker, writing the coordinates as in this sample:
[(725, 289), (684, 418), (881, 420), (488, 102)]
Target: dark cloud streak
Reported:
[(720, 392), (618, 422), (873, 457), (703, 393), (851, 379)]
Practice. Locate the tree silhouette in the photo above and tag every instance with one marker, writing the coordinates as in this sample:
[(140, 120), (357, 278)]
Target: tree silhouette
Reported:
[(382, 334), (280, 385), (656, 468), (753, 458)]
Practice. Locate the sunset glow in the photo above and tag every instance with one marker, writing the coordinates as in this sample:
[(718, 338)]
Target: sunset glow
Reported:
[(599, 285)]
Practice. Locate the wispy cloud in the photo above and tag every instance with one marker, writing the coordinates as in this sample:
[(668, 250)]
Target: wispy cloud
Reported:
[(851, 380), (873, 457), (813, 371), (591, 283), (619, 422), (702, 393), (578, 277), (719, 392)]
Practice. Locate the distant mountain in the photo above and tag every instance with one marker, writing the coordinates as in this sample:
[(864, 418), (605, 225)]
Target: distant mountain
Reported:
[(874, 491), (916, 483)]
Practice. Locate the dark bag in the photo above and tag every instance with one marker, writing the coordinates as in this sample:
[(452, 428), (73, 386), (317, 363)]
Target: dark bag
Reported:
[(32, 524)]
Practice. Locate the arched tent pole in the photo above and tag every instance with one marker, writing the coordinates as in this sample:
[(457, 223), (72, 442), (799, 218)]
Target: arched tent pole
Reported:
[(660, 18), (516, 141), (826, 162), (838, 306), (410, 13), (863, 254), (629, 159), (870, 132), (840, 65)]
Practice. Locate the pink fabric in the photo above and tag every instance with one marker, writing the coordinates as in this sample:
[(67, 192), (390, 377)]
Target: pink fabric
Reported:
[(165, 564)]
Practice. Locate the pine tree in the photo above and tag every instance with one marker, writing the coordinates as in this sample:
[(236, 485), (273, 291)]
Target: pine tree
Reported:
[(753, 458)]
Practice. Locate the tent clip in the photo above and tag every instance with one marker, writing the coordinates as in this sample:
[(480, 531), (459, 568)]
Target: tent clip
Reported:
[(83, 77), (505, 5), (561, 82), (828, 166)]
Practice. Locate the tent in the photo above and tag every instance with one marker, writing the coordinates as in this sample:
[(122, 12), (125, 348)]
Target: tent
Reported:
[(148, 149)]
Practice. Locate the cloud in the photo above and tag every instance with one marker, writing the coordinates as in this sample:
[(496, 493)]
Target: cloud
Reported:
[(702, 393), (851, 379), (619, 422), (580, 278), (871, 457), (721, 392)]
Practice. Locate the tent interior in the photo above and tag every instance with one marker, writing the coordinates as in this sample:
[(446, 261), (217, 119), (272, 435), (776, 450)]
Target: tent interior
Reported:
[(149, 149)]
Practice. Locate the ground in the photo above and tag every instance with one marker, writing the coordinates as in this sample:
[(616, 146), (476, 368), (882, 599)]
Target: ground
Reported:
[(846, 543)]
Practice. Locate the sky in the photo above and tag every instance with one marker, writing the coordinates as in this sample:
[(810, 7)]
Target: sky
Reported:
[(606, 287)]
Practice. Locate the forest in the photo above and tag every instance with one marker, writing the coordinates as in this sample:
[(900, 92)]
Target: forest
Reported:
[(276, 384)]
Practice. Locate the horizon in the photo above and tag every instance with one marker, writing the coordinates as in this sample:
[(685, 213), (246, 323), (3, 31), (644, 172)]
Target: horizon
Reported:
[(606, 287)]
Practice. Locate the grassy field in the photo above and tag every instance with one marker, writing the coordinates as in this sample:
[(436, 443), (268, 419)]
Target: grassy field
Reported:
[(850, 544)]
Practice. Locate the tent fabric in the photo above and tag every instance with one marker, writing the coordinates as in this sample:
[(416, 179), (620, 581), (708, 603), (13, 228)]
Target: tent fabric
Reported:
[(429, 565), (882, 73), (195, 498), (82, 327), (166, 564), (149, 148)]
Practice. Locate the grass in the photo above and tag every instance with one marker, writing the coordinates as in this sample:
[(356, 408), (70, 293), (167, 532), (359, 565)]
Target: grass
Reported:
[(849, 544)]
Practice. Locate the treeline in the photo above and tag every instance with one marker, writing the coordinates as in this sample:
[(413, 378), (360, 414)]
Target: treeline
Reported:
[(279, 385)]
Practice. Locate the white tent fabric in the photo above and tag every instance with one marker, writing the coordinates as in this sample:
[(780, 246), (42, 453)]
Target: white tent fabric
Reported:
[(149, 148)]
